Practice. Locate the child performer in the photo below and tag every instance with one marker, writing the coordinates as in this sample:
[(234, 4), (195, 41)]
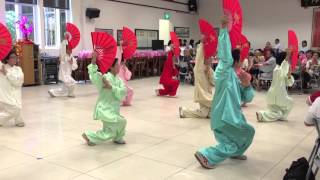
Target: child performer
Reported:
[(279, 103), (203, 74), (169, 71), (67, 64), (111, 91), (125, 75), (11, 80), (239, 72), (232, 132)]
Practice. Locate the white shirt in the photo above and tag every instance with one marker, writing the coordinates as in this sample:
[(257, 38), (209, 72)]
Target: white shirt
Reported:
[(11, 83), (304, 49), (278, 46), (65, 69), (315, 108)]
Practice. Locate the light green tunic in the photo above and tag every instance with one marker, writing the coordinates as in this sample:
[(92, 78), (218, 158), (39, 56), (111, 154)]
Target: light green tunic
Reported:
[(107, 108), (279, 103), (233, 134)]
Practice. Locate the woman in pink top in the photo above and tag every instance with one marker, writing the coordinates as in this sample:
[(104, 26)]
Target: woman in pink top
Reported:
[(125, 74)]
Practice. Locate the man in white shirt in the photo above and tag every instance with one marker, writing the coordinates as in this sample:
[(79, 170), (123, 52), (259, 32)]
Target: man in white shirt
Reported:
[(304, 45), (277, 47)]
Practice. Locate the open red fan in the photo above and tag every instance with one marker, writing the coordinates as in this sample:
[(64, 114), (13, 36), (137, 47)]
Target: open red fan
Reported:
[(210, 38), (73, 35), (176, 44), (293, 45), (245, 47), (232, 9), (129, 44), (5, 42), (106, 48)]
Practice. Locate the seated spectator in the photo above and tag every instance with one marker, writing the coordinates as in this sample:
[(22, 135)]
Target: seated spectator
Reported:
[(304, 46), (268, 66), (191, 44), (311, 70), (247, 63), (257, 58), (301, 64), (267, 47)]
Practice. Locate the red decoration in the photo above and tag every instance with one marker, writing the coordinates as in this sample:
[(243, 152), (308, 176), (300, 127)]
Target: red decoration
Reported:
[(244, 47), (73, 35), (5, 42), (294, 46), (129, 44), (210, 38), (232, 9), (106, 48), (316, 28), (176, 44)]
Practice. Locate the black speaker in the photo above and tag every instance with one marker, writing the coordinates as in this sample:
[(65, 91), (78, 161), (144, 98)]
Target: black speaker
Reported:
[(157, 45), (193, 6), (92, 13)]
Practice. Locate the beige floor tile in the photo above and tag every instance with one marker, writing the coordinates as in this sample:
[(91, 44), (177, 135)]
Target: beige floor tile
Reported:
[(10, 158), (135, 168), (85, 158), (171, 152), (38, 170)]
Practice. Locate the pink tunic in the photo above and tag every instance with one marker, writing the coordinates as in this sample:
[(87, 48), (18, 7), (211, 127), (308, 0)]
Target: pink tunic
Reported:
[(125, 74)]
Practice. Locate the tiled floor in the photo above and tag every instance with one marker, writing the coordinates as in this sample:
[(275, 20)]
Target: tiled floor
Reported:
[(160, 145)]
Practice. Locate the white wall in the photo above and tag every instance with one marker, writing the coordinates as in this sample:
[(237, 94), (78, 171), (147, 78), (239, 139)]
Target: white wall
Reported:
[(265, 20), (115, 15)]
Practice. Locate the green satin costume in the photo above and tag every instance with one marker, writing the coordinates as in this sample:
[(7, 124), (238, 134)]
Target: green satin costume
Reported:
[(107, 108), (233, 134)]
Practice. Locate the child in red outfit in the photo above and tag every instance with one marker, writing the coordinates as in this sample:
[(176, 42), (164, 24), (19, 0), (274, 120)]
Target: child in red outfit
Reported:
[(170, 85)]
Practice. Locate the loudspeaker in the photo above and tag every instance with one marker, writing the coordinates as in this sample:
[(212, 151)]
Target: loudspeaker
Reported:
[(193, 6), (92, 13), (157, 45)]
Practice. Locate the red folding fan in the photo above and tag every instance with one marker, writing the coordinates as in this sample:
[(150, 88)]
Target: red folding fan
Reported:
[(232, 9), (210, 38), (293, 45), (5, 42), (176, 44), (129, 44), (106, 48), (245, 47), (73, 35)]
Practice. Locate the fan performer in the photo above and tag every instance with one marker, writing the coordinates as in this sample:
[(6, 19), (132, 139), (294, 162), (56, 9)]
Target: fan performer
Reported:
[(111, 91), (169, 83), (128, 46), (67, 63), (233, 134), (11, 81), (279, 103), (203, 75)]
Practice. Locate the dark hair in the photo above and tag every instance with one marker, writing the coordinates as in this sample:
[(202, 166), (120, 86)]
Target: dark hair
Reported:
[(236, 55), (278, 40), (309, 51), (304, 41), (316, 53), (13, 51), (191, 42), (281, 56), (251, 54), (301, 52), (169, 43), (113, 64)]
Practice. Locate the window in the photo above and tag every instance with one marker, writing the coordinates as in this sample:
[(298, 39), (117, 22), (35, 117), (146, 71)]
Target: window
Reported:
[(13, 13), (56, 16)]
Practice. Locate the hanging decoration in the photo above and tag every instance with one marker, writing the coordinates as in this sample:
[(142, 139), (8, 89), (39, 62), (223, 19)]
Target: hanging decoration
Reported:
[(25, 27)]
